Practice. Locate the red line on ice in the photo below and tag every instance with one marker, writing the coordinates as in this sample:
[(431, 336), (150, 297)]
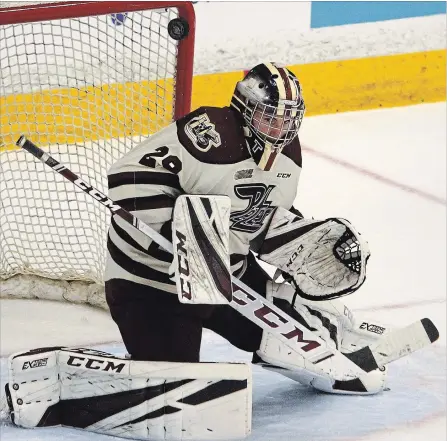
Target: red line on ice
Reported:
[(376, 176)]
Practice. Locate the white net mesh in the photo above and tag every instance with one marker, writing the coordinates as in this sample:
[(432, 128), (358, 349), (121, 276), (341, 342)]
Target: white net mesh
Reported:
[(85, 89)]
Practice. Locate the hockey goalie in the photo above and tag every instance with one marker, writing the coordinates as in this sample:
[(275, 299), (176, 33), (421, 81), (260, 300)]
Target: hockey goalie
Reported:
[(219, 184)]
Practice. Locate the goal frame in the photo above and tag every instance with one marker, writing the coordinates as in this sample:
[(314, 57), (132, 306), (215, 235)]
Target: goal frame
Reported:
[(60, 10), (29, 282)]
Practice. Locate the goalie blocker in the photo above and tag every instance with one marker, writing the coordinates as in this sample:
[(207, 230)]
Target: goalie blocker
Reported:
[(102, 393), (201, 236)]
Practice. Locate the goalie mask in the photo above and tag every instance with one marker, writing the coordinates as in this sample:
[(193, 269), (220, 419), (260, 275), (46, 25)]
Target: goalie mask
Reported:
[(270, 100)]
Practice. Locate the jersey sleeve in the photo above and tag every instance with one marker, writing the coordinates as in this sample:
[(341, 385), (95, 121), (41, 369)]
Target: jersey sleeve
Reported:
[(147, 179), (146, 182)]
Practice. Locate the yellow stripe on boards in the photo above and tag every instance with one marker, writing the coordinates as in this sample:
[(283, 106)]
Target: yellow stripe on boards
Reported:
[(348, 85), (75, 115), (214, 90), (371, 83), (72, 115)]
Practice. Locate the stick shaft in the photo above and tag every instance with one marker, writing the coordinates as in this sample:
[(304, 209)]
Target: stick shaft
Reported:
[(114, 208)]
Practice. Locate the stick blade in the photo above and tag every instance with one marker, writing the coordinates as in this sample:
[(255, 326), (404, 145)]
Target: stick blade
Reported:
[(402, 342), (397, 344)]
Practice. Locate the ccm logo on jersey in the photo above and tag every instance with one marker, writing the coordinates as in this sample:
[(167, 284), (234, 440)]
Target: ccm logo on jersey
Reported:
[(94, 364), (284, 175), (35, 363), (183, 265), (372, 328), (202, 133)]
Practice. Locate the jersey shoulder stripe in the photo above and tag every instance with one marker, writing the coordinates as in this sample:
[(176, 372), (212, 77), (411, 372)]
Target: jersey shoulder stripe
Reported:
[(213, 135)]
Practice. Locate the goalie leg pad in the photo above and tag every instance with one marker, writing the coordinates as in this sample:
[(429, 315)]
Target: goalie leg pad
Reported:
[(102, 393), (33, 386), (332, 322)]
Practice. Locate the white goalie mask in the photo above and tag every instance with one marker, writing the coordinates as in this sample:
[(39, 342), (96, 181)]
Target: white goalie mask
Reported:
[(270, 100)]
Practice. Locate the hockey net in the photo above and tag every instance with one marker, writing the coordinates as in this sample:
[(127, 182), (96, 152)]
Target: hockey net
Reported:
[(87, 81)]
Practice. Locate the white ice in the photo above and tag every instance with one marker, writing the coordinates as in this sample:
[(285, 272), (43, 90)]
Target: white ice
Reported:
[(385, 171)]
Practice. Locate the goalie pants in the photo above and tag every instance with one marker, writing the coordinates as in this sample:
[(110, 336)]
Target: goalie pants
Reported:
[(155, 326)]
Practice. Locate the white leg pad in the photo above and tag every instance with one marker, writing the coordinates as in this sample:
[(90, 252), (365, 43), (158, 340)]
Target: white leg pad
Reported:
[(34, 385), (131, 399)]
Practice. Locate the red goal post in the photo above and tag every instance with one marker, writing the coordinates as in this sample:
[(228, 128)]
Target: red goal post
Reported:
[(88, 81)]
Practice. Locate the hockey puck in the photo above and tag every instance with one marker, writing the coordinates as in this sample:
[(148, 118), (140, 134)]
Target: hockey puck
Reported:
[(178, 28), (118, 19)]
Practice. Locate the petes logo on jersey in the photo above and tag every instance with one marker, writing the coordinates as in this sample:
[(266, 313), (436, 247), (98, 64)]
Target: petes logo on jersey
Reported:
[(252, 218), (202, 133)]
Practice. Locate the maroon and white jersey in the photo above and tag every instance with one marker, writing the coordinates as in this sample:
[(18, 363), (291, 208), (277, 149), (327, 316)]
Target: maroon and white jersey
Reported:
[(203, 153)]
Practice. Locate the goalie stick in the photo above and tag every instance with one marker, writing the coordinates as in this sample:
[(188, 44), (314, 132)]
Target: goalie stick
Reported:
[(318, 356)]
